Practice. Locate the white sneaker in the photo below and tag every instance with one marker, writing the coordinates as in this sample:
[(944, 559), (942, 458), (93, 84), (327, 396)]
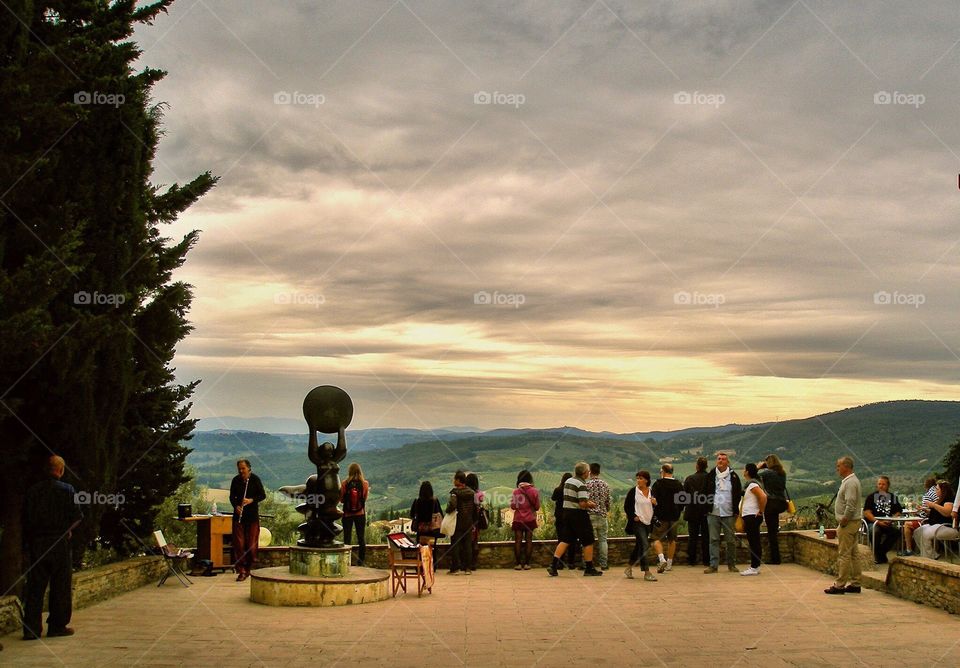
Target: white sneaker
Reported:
[(668, 568), (751, 571)]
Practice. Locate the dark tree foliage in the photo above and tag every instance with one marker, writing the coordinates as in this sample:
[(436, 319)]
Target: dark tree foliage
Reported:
[(951, 463), (89, 312)]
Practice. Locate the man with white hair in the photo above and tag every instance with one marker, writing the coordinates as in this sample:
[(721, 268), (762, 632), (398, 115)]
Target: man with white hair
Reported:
[(847, 509)]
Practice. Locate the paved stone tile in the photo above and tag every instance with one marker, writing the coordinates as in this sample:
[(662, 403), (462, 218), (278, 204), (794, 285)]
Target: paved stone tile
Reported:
[(506, 618)]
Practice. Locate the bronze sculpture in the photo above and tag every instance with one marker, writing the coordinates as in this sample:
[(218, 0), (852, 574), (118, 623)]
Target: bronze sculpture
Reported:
[(327, 409)]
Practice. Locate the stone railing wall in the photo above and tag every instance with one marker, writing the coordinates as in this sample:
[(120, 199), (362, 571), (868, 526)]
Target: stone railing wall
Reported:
[(499, 554), (925, 581), (93, 585)]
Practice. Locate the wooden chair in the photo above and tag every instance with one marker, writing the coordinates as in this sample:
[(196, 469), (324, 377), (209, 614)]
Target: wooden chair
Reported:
[(172, 556), (409, 560)]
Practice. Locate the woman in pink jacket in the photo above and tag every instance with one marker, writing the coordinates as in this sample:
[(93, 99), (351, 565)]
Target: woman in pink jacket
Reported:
[(525, 503)]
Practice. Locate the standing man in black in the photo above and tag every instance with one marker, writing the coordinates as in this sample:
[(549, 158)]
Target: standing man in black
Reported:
[(50, 512), (695, 512), (668, 491), (246, 493)]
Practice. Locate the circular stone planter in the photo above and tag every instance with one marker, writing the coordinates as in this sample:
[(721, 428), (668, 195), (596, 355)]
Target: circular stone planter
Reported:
[(278, 586)]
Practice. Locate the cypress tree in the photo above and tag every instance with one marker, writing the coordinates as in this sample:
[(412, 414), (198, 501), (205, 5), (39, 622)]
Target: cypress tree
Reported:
[(89, 312)]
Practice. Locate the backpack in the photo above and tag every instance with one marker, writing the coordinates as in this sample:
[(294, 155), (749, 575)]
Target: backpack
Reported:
[(353, 500)]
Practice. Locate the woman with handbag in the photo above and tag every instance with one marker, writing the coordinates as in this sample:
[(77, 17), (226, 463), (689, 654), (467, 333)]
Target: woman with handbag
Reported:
[(425, 516), (751, 510), (525, 503), (773, 477)]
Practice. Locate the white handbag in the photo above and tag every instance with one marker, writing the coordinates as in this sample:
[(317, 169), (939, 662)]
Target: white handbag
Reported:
[(449, 524)]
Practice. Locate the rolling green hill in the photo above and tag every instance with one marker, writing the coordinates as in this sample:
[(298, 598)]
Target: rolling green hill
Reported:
[(903, 439)]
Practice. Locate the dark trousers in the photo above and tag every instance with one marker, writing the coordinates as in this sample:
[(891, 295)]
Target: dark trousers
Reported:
[(884, 538), (771, 516), (641, 546), (51, 564), (461, 549), (751, 526), (699, 538), (246, 540), (360, 522)]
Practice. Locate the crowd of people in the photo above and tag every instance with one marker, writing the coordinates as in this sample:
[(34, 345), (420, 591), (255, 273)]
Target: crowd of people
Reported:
[(717, 504), (711, 501)]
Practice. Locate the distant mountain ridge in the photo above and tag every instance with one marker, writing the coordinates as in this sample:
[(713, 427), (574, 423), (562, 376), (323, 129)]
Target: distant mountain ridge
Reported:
[(904, 439), (395, 437)]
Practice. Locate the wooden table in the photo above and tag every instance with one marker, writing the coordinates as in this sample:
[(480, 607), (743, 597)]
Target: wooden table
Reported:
[(214, 538)]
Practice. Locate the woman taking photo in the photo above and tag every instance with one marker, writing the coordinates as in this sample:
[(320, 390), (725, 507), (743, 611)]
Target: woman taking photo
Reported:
[(773, 478), (751, 509), (353, 495), (525, 503), (638, 507)]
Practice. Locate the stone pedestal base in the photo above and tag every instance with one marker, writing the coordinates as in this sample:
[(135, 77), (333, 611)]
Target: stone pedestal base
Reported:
[(326, 562), (278, 586)]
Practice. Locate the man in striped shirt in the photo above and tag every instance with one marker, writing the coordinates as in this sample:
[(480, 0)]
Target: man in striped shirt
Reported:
[(576, 521)]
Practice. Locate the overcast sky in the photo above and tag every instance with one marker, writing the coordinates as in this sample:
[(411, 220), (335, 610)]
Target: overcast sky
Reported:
[(611, 215)]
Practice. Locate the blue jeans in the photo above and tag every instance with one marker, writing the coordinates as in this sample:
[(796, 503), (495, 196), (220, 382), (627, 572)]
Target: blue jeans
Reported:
[(601, 527), (716, 523)]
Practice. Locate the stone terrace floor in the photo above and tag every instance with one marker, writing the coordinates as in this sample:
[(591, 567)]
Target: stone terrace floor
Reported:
[(510, 618)]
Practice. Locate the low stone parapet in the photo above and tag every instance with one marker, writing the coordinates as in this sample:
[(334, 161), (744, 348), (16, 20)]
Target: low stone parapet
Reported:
[(93, 585), (925, 581)]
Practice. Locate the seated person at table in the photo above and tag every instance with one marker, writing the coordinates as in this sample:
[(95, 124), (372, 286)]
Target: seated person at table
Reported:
[(885, 533), (938, 524), (930, 484)]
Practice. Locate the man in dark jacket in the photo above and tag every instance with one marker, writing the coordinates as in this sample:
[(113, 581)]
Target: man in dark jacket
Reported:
[(461, 542), (695, 512), (246, 493), (50, 512), (723, 495)]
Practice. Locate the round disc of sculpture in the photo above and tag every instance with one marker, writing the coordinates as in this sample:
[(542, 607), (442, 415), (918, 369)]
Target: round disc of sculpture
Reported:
[(327, 408)]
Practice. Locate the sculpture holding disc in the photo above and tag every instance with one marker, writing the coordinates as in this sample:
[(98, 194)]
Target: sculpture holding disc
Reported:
[(327, 409)]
